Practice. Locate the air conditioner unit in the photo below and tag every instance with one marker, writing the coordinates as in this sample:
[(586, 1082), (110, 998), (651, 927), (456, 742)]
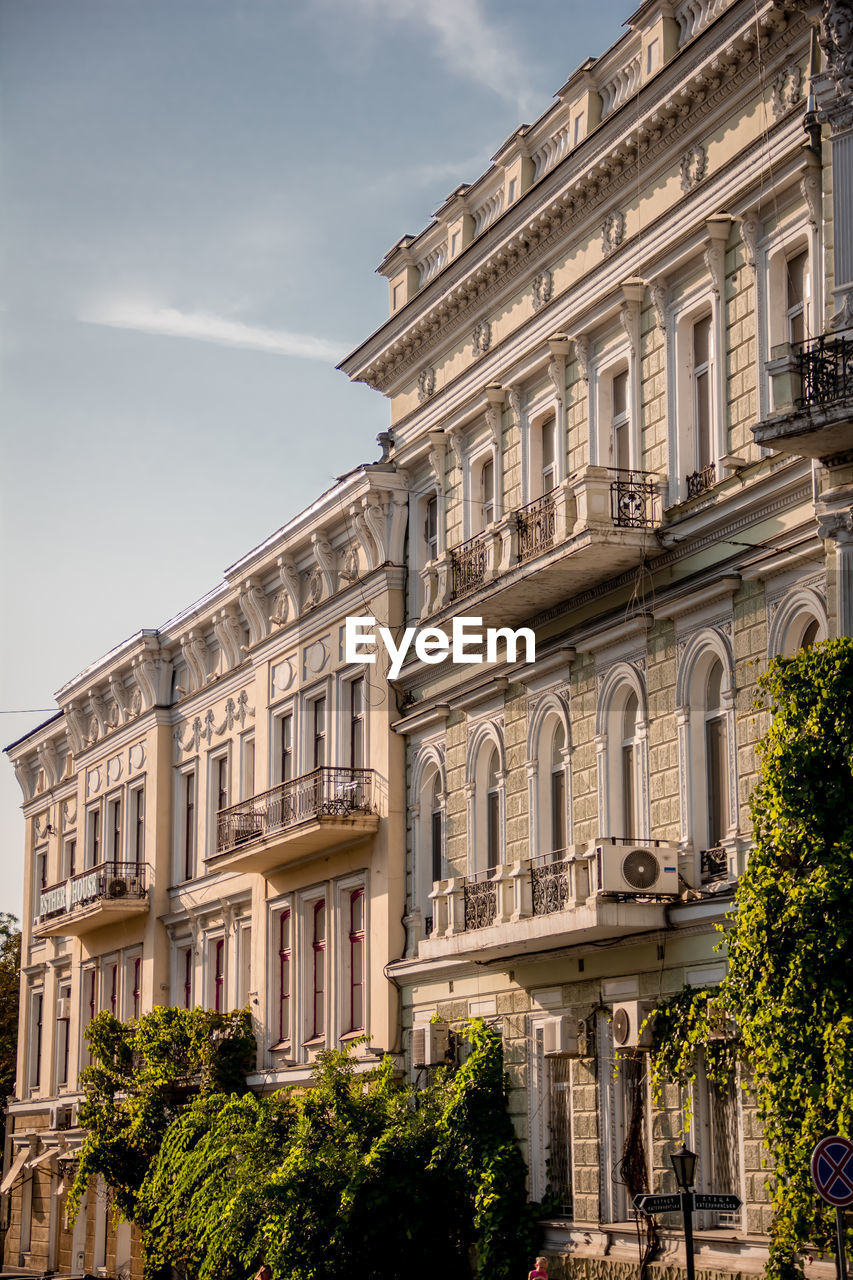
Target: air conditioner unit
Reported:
[(628, 1018), (63, 1008), (431, 1044), (560, 1038), (118, 887), (638, 869)]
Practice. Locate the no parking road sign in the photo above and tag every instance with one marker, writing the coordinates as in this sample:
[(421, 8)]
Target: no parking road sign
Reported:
[(832, 1171)]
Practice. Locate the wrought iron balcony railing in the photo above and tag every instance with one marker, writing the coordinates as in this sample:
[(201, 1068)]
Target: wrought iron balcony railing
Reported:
[(713, 865), (107, 881), (327, 792), (549, 882), (632, 499), (702, 480), (481, 900), (468, 565), (537, 526), (826, 369)]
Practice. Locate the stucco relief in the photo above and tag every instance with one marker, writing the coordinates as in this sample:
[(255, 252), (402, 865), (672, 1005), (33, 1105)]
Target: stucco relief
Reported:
[(613, 231), (282, 676), (136, 756), (694, 163), (426, 383), (94, 781)]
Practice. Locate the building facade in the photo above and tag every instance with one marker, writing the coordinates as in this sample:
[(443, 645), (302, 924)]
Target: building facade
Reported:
[(215, 819), (619, 373)]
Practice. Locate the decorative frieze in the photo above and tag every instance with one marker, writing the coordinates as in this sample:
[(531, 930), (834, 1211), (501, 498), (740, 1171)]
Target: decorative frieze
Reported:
[(693, 166), (482, 337), (543, 288), (612, 231), (426, 383)]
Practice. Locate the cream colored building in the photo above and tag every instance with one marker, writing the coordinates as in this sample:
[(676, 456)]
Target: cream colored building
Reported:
[(214, 818), (615, 438)]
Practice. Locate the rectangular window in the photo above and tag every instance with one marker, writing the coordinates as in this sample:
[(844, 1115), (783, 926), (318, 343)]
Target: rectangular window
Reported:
[(487, 491), (248, 770), (702, 392), (70, 858), (549, 455), (717, 771), (221, 766), (114, 1009), (114, 820), (356, 724), (560, 1131), (628, 792), (92, 992), (285, 975), (356, 951), (137, 985), (285, 769), (797, 286), (319, 751), (36, 1010), (40, 880), (63, 1023), (94, 837), (493, 847), (436, 845), (219, 976), (188, 977), (244, 971), (138, 803), (431, 528), (318, 1029), (620, 441), (558, 810), (188, 825)]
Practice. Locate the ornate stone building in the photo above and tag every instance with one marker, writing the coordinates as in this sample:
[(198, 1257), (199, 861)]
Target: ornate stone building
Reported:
[(620, 372), (214, 818)]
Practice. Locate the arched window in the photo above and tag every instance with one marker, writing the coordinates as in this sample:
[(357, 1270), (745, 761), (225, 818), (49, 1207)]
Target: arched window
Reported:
[(707, 750), (549, 776), (799, 622), (436, 833), (429, 862), (484, 785), (716, 758), (622, 743)]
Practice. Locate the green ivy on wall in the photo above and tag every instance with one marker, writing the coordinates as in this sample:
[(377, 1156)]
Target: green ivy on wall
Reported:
[(789, 985)]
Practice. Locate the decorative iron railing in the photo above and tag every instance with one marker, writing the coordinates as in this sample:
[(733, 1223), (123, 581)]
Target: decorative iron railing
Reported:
[(537, 526), (481, 900), (826, 369), (108, 880), (549, 881), (714, 865), (632, 499), (702, 480), (468, 566), (327, 792), (427, 926)]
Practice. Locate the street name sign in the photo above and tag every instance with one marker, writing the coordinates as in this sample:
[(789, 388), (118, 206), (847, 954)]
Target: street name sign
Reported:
[(657, 1204), (717, 1204)]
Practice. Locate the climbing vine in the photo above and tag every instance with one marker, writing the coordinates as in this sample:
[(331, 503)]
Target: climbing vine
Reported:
[(140, 1078), (789, 986), (358, 1177)]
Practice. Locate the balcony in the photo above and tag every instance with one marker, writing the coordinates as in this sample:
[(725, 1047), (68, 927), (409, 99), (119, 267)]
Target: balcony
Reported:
[(812, 392), (699, 482), (315, 813), (550, 550), (92, 899), (608, 890)]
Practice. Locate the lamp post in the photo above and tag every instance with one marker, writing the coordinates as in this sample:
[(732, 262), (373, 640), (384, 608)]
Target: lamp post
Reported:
[(684, 1164)]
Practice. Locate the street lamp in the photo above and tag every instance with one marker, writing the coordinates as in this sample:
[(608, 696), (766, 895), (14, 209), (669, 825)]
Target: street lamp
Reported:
[(684, 1164)]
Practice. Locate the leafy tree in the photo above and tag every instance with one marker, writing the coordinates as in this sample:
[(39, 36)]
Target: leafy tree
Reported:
[(789, 984), (10, 986)]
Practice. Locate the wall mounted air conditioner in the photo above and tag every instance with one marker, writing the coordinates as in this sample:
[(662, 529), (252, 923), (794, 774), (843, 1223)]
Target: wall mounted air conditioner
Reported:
[(560, 1037), (63, 1008), (431, 1044), (118, 887), (628, 1018), (60, 1117), (638, 869)]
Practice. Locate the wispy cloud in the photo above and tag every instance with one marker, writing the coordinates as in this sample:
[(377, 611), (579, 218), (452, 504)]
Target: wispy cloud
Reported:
[(468, 43), (206, 326)]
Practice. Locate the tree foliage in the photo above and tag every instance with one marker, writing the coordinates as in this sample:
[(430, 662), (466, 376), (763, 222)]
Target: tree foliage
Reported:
[(142, 1073), (789, 985), (10, 985), (358, 1177)]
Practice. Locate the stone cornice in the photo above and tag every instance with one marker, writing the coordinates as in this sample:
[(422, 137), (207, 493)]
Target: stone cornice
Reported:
[(673, 111)]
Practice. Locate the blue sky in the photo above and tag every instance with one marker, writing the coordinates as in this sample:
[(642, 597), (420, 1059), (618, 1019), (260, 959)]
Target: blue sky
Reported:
[(196, 195)]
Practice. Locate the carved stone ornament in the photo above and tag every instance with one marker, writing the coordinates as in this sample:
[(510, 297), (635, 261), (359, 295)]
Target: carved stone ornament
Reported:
[(612, 231), (787, 88), (693, 165), (314, 588), (513, 399), (750, 226), (349, 564), (482, 337), (811, 191), (836, 41), (426, 383), (657, 289), (543, 289), (280, 607), (583, 352)]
